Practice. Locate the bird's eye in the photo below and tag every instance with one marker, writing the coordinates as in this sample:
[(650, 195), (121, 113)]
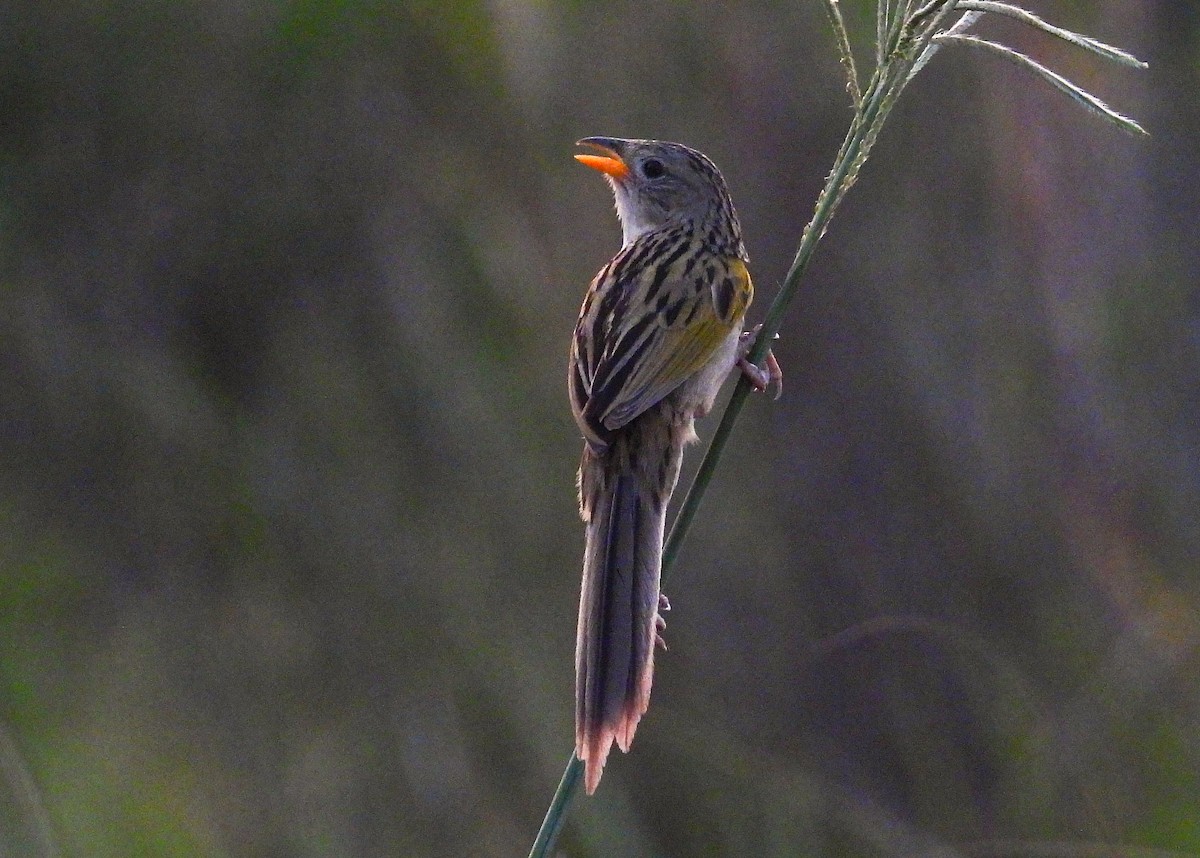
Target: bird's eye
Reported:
[(652, 168)]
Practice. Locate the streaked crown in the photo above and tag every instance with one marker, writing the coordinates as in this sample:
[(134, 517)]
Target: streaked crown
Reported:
[(658, 184)]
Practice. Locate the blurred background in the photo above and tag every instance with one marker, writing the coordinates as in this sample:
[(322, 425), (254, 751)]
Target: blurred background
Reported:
[(289, 553)]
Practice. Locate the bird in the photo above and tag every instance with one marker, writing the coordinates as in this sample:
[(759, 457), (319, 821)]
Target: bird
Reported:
[(659, 330)]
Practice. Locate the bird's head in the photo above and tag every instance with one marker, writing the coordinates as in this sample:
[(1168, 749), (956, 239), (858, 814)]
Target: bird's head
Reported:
[(658, 184)]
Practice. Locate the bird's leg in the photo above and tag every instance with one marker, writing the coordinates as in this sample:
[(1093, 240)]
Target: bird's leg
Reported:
[(762, 379)]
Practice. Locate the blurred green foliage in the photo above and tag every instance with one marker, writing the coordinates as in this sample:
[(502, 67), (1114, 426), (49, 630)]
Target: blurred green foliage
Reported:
[(288, 547)]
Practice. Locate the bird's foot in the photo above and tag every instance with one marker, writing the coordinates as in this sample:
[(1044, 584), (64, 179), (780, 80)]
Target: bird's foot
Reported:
[(762, 378)]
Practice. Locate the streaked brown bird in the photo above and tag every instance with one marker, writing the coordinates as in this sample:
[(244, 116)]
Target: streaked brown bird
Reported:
[(658, 333)]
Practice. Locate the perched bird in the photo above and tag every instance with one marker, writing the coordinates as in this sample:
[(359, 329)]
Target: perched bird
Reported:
[(658, 332)]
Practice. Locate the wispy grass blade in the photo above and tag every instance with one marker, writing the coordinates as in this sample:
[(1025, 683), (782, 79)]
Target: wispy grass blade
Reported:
[(882, 25), (959, 26), (917, 19), (918, 34), (1086, 99), (894, 27), (1086, 42), (842, 37)]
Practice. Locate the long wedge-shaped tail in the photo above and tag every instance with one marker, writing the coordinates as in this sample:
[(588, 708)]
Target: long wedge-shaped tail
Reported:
[(623, 498)]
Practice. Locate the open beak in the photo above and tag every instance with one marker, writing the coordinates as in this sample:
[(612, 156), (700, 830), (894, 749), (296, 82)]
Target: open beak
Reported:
[(610, 163)]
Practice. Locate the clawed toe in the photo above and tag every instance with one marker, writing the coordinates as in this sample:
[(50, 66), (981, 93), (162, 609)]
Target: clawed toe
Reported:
[(762, 379), (660, 624), (756, 375)]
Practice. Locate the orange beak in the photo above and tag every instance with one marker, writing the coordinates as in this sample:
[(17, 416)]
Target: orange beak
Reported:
[(610, 163)]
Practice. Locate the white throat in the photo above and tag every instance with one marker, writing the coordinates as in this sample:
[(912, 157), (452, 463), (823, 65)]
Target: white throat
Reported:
[(633, 226)]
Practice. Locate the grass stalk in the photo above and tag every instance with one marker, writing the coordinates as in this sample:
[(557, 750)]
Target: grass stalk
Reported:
[(906, 39)]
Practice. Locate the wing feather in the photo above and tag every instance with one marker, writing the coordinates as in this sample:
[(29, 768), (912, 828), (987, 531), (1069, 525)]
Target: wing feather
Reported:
[(645, 332)]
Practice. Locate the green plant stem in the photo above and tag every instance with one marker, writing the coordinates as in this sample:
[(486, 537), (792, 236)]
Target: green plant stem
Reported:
[(556, 815), (905, 41)]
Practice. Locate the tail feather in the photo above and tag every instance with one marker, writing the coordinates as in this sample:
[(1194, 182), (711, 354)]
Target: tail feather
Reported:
[(623, 492)]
